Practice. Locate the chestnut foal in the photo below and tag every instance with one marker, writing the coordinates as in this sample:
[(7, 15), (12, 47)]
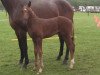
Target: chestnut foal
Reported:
[(39, 29)]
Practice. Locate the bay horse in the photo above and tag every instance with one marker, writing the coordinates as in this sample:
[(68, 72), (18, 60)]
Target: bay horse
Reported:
[(39, 28), (43, 9)]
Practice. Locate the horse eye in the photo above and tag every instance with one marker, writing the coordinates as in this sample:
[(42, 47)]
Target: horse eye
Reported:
[(25, 9)]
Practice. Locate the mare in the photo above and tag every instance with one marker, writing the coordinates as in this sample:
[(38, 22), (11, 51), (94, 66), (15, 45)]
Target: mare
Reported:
[(43, 9), (39, 28)]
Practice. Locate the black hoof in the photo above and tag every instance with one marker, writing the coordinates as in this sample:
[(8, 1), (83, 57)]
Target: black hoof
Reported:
[(58, 58), (20, 62), (21, 65), (65, 62), (25, 66)]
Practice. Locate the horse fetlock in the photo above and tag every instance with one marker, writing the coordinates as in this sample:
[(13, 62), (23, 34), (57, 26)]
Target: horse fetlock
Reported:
[(26, 61), (20, 61), (40, 70), (72, 62), (42, 65), (21, 67), (58, 57), (34, 68), (25, 66)]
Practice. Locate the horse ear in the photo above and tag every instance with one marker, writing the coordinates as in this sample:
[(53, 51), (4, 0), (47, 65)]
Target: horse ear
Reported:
[(29, 4)]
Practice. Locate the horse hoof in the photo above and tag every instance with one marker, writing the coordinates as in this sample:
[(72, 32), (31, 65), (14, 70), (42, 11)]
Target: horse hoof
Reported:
[(21, 67), (72, 64), (25, 66), (71, 67), (40, 70), (20, 61), (38, 73), (65, 62), (58, 58), (34, 68)]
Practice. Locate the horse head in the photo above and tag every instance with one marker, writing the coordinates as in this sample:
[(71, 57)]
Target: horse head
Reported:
[(27, 11)]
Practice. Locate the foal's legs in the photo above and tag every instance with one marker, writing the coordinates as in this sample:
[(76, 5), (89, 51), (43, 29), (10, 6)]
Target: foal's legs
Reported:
[(71, 47), (66, 56), (22, 40), (38, 55)]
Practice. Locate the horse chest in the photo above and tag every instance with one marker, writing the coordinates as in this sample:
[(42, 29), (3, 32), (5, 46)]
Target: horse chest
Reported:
[(35, 31)]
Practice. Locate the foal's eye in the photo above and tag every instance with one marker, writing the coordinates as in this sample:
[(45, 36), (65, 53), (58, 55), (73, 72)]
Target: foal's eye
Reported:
[(25, 10)]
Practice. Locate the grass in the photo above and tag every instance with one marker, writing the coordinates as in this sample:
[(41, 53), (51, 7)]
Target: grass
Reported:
[(87, 53)]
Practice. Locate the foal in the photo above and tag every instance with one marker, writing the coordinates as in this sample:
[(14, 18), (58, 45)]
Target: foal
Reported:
[(39, 29)]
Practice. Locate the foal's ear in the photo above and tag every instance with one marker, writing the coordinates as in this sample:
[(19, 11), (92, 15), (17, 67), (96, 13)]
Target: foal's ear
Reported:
[(29, 4)]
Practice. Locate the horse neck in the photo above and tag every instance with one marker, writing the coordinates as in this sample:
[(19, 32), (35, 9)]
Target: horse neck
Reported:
[(32, 16), (10, 5)]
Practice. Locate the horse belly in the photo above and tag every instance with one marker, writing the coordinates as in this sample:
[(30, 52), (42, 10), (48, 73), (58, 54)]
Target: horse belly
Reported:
[(50, 30)]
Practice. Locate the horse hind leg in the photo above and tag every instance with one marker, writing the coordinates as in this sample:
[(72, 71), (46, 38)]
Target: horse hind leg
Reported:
[(22, 40), (61, 47), (67, 52), (65, 61), (71, 47), (61, 51)]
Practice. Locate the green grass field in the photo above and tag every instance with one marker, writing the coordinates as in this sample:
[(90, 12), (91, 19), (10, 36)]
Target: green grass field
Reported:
[(87, 53)]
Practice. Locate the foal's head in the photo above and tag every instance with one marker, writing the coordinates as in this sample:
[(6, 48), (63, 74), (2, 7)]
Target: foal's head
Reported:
[(27, 12)]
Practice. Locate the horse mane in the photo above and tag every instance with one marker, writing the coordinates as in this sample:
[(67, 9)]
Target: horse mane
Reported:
[(31, 12)]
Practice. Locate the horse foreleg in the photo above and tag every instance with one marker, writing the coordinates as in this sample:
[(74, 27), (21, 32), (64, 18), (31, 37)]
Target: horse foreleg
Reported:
[(38, 55), (22, 40), (71, 47), (40, 58)]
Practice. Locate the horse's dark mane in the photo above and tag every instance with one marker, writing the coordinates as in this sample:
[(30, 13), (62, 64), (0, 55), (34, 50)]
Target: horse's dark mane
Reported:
[(31, 12)]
